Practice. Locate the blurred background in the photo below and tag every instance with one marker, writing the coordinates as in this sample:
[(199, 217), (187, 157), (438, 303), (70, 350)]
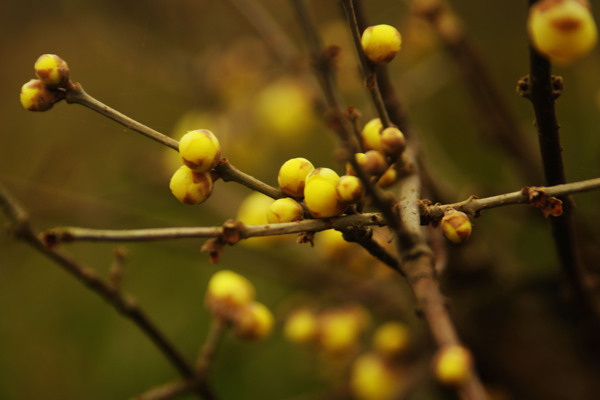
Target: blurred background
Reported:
[(186, 64)]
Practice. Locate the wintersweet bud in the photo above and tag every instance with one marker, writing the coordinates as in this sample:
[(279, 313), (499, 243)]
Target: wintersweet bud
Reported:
[(52, 70), (456, 226), (301, 326), (372, 378), (452, 365), (393, 142), (389, 177), (228, 292), (292, 176), (349, 189), (371, 135), (320, 194), (200, 150), (391, 339), (563, 30), (35, 96), (372, 162), (284, 210), (191, 187), (254, 321), (381, 43)]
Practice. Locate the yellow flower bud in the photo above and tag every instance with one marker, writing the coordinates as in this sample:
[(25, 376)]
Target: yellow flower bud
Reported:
[(349, 189), (391, 339), (292, 176), (227, 293), (200, 150), (52, 70), (301, 326), (389, 177), (393, 142), (452, 365), (456, 226), (373, 162), (35, 96), (373, 379), (563, 30), (253, 322), (340, 330), (371, 135), (284, 210), (320, 195), (381, 43), (191, 187)]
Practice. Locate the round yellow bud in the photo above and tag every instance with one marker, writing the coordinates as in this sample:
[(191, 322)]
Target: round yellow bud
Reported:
[(191, 187), (391, 339), (373, 162), (452, 365), (292, 176), (381, 43), (35, 96), (253, 322), (320, 194), (563, 30), (393, 142), (227, 293), (253, 211), (200, 150), (340, 330), (372, 379), (349, 189), (456, 226), (284, 210), (284, 109), (301, 326), (52, 70), (389, 177), (371, 135)]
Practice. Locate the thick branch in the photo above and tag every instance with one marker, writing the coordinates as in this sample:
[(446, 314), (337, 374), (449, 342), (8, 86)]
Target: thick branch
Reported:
[(540, 92)]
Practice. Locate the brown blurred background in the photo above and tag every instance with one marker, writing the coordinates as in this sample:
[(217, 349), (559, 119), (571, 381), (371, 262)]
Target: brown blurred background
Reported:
[(183, 64)]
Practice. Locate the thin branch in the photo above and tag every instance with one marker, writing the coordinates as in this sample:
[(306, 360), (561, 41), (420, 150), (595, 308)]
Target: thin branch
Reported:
[(268, 29), (122, 302), (474, 205), (76, 94), (209, 348), (167, 391), (72, 234), (368, 68), (499, 123), (228, 173)]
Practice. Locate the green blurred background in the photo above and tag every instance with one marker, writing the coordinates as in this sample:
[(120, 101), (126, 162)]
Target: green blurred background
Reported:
[(182, 64)]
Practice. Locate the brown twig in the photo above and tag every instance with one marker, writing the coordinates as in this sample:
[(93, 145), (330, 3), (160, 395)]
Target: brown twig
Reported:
[(499, 123), (122, 302), (76, 94), (228, 172)]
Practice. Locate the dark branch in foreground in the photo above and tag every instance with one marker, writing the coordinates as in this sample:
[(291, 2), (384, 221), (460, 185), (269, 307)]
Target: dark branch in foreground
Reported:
[(123, 303)]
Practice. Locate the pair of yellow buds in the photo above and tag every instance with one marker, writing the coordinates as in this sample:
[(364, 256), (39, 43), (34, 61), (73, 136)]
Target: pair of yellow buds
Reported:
[(230, 297), (52, 78), (200, 152)]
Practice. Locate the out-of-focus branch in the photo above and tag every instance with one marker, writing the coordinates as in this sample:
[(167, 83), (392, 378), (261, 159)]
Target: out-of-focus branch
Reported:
[(499, 123), (76, 94), (122, 302)]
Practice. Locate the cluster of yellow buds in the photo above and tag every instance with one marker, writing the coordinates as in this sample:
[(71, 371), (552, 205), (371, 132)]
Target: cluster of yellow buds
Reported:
[(200, 151), (230, 297), (335, 332), (52, 79), (378, 374)]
